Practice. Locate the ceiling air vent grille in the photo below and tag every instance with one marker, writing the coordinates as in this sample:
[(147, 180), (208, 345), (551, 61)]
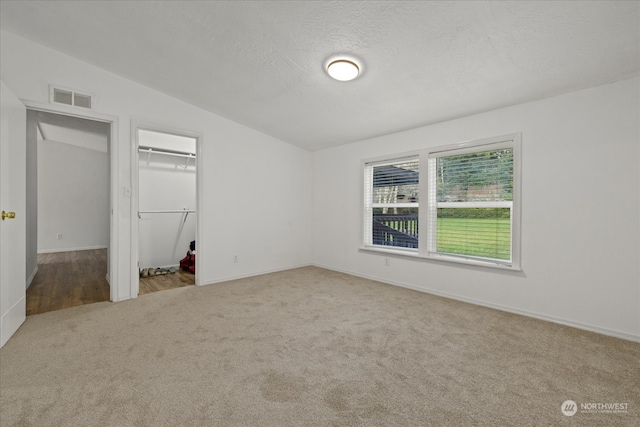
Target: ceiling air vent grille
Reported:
[(70, 97)]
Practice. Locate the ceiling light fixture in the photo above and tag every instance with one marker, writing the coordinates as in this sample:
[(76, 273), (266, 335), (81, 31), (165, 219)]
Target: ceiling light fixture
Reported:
[(343, 69)]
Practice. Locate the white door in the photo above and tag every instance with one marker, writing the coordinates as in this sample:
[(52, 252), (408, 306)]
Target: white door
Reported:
[(13, 204)]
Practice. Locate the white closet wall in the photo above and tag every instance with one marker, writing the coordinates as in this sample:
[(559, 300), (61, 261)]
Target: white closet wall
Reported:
[(166, 183)]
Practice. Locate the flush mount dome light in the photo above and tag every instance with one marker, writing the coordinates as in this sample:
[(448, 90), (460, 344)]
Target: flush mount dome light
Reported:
[(343, 69)]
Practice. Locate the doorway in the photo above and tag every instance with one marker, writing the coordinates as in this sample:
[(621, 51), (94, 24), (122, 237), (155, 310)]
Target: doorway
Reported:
[(167, 209), (68, 220)]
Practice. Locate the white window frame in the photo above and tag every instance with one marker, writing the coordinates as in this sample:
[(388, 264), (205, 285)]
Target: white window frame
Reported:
[(428, 210), (368, 166)]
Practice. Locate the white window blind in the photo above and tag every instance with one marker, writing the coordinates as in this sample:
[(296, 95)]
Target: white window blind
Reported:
[(391, 203), (471, 202)]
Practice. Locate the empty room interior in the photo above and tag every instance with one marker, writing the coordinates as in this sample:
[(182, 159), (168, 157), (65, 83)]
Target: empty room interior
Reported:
[(403, 213)]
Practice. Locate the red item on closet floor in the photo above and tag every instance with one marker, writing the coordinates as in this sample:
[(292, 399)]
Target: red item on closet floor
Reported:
[(188, 263)]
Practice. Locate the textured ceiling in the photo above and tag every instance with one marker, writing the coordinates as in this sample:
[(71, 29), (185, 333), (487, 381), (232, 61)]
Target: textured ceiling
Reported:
[(259, 63)]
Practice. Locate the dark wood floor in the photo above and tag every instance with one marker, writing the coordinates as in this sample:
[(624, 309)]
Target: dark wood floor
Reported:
[(68, 279), (166, 281)]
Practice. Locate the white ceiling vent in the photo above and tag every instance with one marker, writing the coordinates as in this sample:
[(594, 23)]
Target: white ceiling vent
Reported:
[(70, 97)]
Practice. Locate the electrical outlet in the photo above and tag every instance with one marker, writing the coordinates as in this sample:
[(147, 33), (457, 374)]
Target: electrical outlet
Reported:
[(386, 262), (235, 259), (59, 236)]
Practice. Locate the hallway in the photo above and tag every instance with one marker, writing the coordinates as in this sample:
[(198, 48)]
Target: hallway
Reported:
[(68, 279)]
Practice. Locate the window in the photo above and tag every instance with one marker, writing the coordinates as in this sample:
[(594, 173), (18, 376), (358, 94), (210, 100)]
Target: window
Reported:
[(392, 203), (470, 211)]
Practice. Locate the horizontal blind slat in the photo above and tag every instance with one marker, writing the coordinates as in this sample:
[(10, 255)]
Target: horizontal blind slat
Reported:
[(473, 199)]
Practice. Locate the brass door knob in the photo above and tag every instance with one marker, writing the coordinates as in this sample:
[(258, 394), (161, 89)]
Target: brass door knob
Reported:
[(9, 215)]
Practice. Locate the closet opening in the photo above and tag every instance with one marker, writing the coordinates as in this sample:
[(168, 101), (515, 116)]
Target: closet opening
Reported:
[(68, 193), (167, 214)]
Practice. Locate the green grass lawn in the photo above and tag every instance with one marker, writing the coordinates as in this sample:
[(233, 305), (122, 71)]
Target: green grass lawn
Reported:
[(490, 238)]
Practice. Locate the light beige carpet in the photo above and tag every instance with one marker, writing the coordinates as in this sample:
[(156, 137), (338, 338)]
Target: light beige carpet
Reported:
[(308, 347)]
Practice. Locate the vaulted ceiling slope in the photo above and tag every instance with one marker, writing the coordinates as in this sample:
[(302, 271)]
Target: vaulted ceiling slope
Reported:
[(260, 63), (88, 134)]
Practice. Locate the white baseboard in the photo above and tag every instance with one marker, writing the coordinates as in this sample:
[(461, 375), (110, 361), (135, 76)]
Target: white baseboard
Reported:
[(12, 319), (227, 279), (84, 248), (545, 317), (31, 276), (162, 266)]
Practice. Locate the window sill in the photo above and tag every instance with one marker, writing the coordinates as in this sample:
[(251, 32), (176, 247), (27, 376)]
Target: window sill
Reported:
[(413, 253)]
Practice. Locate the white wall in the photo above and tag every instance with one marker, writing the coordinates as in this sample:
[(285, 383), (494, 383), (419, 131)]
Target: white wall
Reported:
[(73, 197), (267, 223), (165, 183), (580, 210)]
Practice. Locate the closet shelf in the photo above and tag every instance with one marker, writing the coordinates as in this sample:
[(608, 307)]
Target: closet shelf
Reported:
[(184, 211), (170, 211), (150, 151)]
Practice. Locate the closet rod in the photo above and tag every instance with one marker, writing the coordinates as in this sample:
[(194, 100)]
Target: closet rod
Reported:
[(170, 211), (166, 153)]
